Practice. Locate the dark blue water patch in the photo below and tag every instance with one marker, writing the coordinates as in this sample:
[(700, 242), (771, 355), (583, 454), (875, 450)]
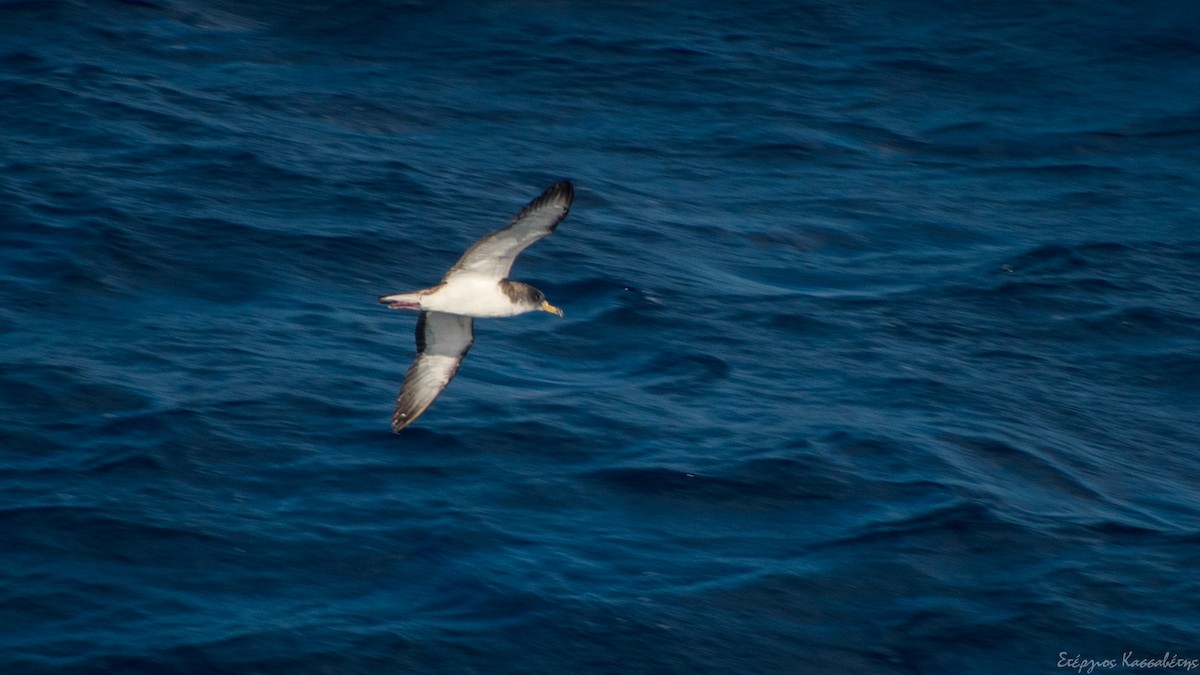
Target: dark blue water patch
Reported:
[(1155, 324), (55, 390), (804, 325), (1002, 462), (1173, 371), (1082, 285), (685, 487), (683, 372), (104, 539)]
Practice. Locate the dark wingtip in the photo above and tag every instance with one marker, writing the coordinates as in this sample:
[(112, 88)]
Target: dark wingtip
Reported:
[(563, 190), (400, 421)]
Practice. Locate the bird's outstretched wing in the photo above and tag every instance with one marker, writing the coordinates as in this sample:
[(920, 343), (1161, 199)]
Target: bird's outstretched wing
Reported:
[(442, 342), (493, 255)]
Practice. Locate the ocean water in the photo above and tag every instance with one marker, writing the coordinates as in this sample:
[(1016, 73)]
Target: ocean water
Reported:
[(881, 350)]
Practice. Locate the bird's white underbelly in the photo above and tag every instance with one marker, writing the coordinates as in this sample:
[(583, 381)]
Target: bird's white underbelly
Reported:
[(471, 296)]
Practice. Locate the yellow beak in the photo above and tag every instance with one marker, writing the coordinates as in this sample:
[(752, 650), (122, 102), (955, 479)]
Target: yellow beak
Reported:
[(547, 307)]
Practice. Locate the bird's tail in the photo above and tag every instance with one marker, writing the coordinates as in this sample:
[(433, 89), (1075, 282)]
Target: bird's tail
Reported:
[(402, 300)]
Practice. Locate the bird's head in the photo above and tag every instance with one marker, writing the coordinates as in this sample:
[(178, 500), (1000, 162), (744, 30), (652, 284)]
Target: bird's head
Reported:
[(528, 297), (543, 304)]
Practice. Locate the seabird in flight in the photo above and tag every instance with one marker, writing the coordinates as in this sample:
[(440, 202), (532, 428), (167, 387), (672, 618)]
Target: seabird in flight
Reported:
[(476, 287)]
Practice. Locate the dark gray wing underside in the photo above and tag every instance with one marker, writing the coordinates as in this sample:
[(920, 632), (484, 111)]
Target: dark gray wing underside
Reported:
[(442, 342)]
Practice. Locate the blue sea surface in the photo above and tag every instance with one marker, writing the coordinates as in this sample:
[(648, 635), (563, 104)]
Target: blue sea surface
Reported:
[(881, 350)]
